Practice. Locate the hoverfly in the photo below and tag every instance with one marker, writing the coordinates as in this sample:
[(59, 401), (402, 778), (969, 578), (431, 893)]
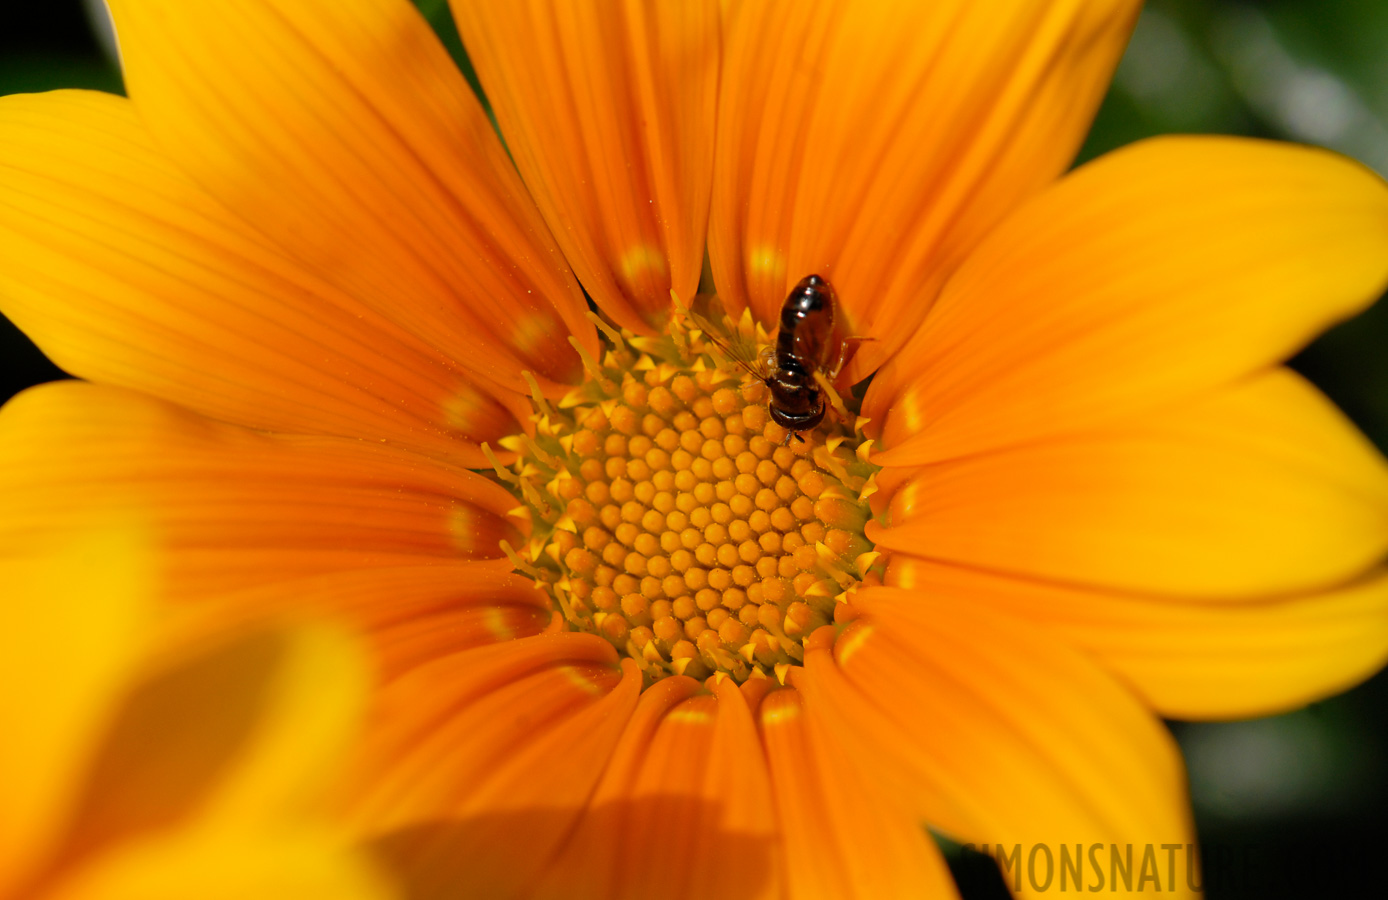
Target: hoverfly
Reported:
[(804, 346)]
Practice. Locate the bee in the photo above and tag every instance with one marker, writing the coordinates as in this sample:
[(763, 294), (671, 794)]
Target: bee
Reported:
[(805, 347)]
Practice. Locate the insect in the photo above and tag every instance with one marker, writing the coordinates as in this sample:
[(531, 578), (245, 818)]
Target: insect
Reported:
[(804, 346)]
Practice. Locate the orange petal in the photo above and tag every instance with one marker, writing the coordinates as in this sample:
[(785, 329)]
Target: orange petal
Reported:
[(995, 730), (876, 143), (350, 139), (1193, 660), (126, 272), (683, 810), (478, 764), (410, 614), (229, 508), (1142, 279), (590, 863), (608, 109), (1260, 489), (842, 838)]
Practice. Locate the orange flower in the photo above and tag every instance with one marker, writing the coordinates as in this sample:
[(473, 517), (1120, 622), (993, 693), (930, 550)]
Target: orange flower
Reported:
[(313, 293)]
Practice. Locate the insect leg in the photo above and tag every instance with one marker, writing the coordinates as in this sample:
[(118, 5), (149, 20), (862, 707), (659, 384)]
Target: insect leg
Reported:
[(843, 352), (835, 401)]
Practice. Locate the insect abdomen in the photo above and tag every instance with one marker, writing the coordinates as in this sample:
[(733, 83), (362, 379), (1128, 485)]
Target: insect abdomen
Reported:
[(807, 321)]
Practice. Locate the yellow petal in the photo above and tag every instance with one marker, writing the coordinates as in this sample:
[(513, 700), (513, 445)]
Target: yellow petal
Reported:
[(229, 508), (312, 711), (350, 139), (237, 736), (76, 619), (1193, 660), (995, 731), (125, 272), (478, 763), (608, 109), (1144, 278), (843, 837), (683, 810), (876, 143), (1261, 489), (271, 864)]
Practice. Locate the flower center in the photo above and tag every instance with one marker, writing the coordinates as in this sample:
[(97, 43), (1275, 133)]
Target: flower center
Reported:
[(672, 517)]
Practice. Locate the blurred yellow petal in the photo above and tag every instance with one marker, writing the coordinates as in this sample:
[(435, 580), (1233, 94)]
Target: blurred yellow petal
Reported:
[(343, 131), (843, 837), (1142, 279), (994, 731), (270, 864), (313, 710), (191, 765), (205, 744), (876, 143), (1262, 489), (1192, 660), (76, 623), (229, 508), (126, 272), (183, 732), (608, 109)]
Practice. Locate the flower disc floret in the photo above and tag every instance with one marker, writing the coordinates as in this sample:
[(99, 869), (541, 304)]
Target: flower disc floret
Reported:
[(672, 517)]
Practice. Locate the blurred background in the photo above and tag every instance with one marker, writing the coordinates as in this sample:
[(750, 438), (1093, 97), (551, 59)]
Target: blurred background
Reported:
[(1288, 806)]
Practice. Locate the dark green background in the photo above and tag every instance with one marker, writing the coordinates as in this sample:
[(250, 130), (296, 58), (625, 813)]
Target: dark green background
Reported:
[(1289, 806)]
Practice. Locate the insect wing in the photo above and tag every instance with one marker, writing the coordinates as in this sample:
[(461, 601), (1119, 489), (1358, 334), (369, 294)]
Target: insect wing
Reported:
[(739, 348)]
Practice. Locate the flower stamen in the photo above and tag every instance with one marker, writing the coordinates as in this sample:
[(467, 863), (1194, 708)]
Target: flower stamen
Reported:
[(671, 517)]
